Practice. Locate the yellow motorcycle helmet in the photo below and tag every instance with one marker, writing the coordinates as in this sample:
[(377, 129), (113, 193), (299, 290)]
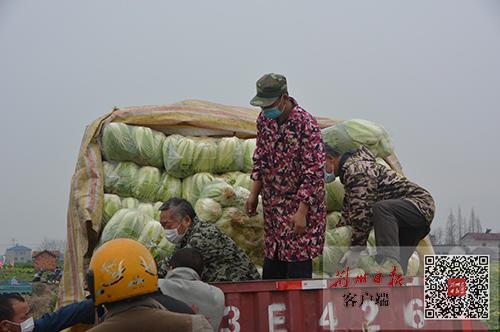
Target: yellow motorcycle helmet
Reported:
[(121, 269)]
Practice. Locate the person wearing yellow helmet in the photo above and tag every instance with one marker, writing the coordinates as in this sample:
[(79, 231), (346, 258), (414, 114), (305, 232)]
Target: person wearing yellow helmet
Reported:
[(121, 276)]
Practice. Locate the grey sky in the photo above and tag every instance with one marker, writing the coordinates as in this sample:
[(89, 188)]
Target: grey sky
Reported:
[(429, 71)]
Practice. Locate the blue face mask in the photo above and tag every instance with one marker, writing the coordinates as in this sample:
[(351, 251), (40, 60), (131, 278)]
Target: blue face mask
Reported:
[(272, 113), (329, 177)]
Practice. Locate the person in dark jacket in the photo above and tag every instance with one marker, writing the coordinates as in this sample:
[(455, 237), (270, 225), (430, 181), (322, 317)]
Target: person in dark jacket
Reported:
[(223, 259), (15, 313), (377, 197)]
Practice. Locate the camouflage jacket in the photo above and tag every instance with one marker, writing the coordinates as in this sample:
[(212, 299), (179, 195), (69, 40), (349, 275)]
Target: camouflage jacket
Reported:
[(367, 182), (224, 260)]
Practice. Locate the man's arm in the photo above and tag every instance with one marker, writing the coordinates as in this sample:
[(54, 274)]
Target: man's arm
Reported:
[(69, 315), (360, 193)]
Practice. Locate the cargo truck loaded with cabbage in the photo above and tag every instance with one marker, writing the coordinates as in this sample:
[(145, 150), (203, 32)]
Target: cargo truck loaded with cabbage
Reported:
[(133, 159)]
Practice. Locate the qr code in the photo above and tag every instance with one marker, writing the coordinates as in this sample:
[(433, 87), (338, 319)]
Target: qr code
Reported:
[(457, 287)]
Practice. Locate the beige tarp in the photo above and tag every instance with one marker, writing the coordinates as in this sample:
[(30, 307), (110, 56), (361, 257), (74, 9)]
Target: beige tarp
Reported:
[(86, 195)]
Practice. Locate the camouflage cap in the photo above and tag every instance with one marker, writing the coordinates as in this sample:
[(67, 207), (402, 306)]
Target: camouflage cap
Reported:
[(269, 88)]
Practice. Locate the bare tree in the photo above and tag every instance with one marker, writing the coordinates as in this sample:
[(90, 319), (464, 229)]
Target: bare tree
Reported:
[(450, 229), (479, 227), (460, 225), (472, 222), (437, 236), (52, 244)]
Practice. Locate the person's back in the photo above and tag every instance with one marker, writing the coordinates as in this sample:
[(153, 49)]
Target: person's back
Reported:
[(149, 315), (184, 284), (362, 165)]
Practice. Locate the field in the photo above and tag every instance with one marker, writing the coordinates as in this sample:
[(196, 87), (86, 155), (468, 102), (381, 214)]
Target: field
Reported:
[(493, 323), (20, 273)]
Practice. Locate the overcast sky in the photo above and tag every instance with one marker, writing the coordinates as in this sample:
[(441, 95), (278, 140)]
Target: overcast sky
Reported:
[(428, 71)]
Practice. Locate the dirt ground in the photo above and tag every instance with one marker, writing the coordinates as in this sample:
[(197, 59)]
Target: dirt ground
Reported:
[(43, 299)]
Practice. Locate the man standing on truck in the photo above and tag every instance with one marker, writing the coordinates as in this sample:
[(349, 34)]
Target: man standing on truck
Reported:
[(377, 197), (288, 173), (223, 259)]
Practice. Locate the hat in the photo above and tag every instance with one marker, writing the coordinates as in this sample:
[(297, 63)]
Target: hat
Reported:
[(269, 88)]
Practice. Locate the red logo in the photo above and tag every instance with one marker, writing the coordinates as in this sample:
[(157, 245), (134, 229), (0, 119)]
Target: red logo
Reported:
[(457, 286)]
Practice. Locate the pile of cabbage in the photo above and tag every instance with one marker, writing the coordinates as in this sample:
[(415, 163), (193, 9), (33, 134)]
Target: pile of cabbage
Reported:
[(337, 243), (144, 168), (180, 156)]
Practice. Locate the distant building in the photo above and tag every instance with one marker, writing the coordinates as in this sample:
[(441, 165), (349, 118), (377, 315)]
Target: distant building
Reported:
[(45, 260), (482, 244), (18, 254)]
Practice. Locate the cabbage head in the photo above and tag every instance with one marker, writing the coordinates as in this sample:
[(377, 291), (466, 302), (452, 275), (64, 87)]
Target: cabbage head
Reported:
[(169, 187), (229, 155), (156, 208), (112, 203), (130, 203), (334, 196), (178, 152), (118, 143), (127, 173), (147, 209), (110, 176), (219, 191), (207, 209), (146, 183), (149, 145), (248, 149), (332, 219), (126, 223), (205, 153), (193, 186)]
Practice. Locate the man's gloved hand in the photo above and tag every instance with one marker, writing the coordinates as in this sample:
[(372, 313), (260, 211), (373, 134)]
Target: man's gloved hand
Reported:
[(351, 257)]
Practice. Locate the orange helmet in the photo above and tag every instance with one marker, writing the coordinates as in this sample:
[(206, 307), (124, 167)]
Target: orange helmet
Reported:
[(121, 269)]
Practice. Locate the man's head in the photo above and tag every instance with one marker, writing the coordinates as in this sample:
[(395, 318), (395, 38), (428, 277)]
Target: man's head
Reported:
[(188, 257), (15, 313), (272, 96), (332, 166), (176, 217)]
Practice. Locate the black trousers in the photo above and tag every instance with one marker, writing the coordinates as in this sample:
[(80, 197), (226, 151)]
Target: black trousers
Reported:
[(276, 269), (399, 227)]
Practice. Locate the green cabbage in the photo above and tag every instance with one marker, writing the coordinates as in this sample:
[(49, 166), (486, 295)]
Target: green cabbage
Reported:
[(241, 197), (147, 209), (178, 155), (146, 183), (229, 155), (156, 208), (118, 143), (126, 173), (351, 134), (231, 177), (334, 196), (207, 209), (151, 234), (336, 245), (244, 180), (126, 223), (149, 145), (110, 176), (332, 219), (204, 156), (142, 145), (248, 146), (130, 203), (169, 187), (192, 186), (219, 191), (112, 203)]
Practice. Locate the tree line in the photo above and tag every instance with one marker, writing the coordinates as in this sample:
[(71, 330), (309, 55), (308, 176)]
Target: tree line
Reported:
[(456, 227)]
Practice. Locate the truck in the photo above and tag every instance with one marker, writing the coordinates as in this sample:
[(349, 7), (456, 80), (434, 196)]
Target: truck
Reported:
[(281, 305)]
